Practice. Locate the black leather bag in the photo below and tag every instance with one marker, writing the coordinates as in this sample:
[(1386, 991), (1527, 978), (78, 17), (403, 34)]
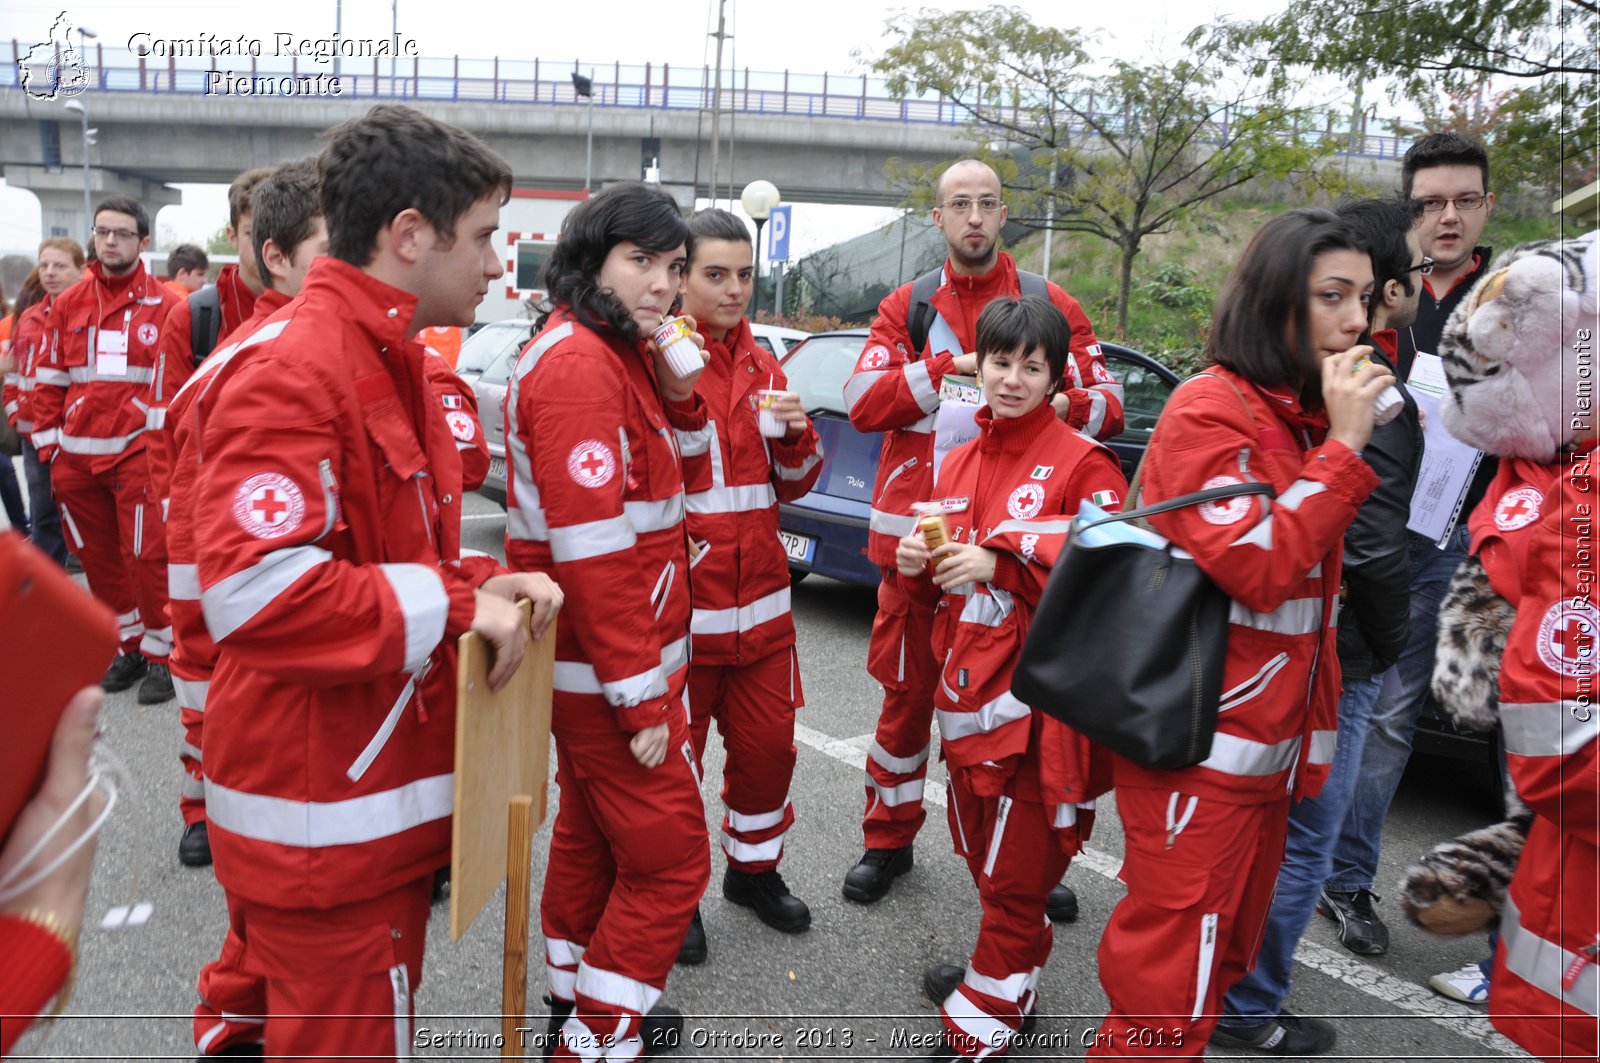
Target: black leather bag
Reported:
[(1129, 641)]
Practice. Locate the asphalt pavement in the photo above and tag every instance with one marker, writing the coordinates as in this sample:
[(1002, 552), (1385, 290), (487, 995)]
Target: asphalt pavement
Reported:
[(849, 988)]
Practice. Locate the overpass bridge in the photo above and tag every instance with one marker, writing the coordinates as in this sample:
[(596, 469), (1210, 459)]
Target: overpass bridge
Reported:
[(166, 118)]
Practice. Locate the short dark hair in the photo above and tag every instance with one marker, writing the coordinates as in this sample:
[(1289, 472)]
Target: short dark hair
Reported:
[(129, 206), (629, 212), (395, 158), (241, 190), (1380, 226), (1021, 324), (283, 209), (1442, 149), (716, 224), (1265, 298), (186, 257)]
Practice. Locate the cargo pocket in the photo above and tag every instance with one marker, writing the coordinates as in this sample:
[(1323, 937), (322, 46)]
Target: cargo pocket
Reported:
[(886, 652), (1165, 929)]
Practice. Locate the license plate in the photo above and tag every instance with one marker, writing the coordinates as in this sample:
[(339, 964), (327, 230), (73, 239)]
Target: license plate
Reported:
[(497, 469), (800, 548)]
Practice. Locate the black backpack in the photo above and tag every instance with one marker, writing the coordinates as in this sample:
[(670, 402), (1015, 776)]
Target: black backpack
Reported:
[(920, 312), (205, 321)]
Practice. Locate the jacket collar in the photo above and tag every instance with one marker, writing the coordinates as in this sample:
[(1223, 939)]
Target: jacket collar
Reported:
[(1003, 277), (381, 311), (1011, 435)]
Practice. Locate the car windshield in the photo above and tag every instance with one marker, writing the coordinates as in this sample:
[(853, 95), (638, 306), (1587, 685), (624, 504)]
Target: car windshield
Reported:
[(485, 346), (820, 366)]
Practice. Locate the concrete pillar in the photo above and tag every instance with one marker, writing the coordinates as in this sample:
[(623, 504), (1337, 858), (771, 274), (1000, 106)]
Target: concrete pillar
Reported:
[(61, 195)]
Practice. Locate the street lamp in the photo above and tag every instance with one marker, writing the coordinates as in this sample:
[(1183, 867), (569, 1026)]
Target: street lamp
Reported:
[(88, 139), (584, 86), (758, 199)]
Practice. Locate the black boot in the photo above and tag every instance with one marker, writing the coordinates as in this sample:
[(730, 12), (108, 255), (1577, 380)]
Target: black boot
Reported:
[(560, 1011), (123, 671), (1062, 905), (194, 848), (875, 872), (693, 950), (766, 894), (941, 980)]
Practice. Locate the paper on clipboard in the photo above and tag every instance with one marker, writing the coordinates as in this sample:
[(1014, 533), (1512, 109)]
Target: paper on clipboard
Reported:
[(1448, 465), (956, 421)]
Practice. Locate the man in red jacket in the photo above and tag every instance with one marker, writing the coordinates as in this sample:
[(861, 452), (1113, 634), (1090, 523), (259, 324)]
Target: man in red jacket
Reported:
[(915, 342), (91, 409), (327, 534), (745, 673)]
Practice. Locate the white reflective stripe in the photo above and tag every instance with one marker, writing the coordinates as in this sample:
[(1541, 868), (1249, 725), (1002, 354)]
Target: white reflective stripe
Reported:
[(156, 642), (192, 693), (1034, 527), (903, 794), (138, 530), (1097, 414), (620, 991), (694, 443), (752, 852), (596, 538), (1003, 814), (233, 602), (1544, 964), (1316, 571), (1547, 729), (188, 752), (575, 677), (525, 520), (745, 822), (859, 384), (988, 610), (155, 419), (924, 425), (1297, 616), (183, 582), (56, 378), (1208, 950), (320, 824), (741, 618), (578, 677), (400, 980), (192, 788), (745, 498), (919, 380), (385, 729), (72, 525), (797, 472), (991, 717), (465, 446), (48, 437), (1011, 987), (891, 524), (530, 357), (561, 959), (217, 359), (992, 1035), (424, 604), (656, 515), (128, 624), (204, 1042), (98, 445), (1298, 492), (1322, 747), (1066, 816), (1260, 534), (899, 765), (1241, 756), (136, 374), (1255, 685), (954, 805)]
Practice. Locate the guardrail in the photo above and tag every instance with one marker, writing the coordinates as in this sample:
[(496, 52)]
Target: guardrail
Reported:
[(535, 81)]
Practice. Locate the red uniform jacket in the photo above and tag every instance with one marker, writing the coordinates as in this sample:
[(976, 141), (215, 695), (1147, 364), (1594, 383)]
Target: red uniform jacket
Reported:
[(895, 390), (176, 362), (595, 500), (327, 533), (92, 389), (1278, 559), (460, 406), (740, 578), (1014, 490), (29, 339), (1533, 530)]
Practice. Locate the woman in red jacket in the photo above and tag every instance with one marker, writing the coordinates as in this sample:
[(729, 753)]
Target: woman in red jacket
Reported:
[(1018, 779), (1285, 401)]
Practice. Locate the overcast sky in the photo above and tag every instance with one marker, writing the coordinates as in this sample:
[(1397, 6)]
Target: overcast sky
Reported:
[(833, 36)]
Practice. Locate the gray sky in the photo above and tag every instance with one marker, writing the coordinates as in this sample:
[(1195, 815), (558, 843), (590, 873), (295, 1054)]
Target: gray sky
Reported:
[(833, 36)]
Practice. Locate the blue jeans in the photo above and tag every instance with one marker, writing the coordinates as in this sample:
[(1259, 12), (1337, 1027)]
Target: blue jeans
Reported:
[(44, 518), (1313, 828), (1394, 718)]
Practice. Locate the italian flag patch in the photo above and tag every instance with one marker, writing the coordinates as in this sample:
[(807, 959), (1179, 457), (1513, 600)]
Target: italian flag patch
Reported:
[(1041, 472), (1105, 498)]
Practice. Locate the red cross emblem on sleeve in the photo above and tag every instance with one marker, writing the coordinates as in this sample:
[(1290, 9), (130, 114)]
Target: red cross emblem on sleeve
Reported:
[(1518, 509), (591, 464), (1567, 637), (268, 505)]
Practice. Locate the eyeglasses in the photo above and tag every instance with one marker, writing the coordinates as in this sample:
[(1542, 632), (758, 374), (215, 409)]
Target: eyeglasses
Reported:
[(115, 234), (1434, 204), (1425, 267), (963, 205)]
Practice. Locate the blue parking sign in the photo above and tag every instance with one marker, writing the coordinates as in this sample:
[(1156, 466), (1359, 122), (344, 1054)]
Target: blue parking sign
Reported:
[(778, 226)]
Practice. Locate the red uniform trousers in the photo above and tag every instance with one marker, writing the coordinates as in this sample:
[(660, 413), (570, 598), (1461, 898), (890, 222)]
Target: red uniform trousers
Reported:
[(233, 1005), (113, 523), (1014, 852), (339, 981), (1191, 924), (900, 656), (754, 707), (190, 689), (629, 861)]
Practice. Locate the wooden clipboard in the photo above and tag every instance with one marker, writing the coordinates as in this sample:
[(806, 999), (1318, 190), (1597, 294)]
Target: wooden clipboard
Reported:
[(502, 751)]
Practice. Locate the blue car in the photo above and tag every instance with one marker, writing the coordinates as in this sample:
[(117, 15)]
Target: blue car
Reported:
[(826, 530)]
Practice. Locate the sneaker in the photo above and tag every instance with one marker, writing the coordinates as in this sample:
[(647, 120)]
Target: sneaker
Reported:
[(1062, 905), (766, 894), (157, 686), (1286, 1035), (941, 980), (1468, 985), (875, 872), (194, 848), (693, 950), (1360, 929), (123, 671), (441, 885)]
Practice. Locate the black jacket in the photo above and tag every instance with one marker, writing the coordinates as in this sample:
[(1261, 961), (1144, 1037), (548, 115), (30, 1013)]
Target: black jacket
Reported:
[(1375, 623)]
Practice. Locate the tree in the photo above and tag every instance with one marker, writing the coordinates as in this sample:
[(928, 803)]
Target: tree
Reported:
[(1120, 156), (1523, 75)]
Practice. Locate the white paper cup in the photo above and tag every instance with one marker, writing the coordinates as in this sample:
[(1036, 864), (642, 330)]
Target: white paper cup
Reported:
[(682, 356), (772, 426), (1387, 406)]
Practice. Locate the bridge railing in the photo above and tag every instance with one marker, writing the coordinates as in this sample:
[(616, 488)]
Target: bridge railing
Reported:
[(549, 83)]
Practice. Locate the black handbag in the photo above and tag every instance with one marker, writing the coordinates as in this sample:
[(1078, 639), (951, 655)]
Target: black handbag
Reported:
[(1130, 638)]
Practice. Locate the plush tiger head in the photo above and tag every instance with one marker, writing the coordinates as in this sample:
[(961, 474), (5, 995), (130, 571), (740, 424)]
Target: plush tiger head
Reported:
[(1519, 352)]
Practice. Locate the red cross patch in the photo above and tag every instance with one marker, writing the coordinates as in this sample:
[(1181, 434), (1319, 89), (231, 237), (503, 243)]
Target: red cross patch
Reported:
[(591, 464), (1567, 637), (1026, 501), (147, 334), (875, 357), (1224, 510), (268, 505), (1518, 508), (461, 425), (1101, 373)]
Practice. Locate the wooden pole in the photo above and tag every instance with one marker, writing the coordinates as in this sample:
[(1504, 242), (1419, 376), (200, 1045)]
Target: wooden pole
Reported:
[(519, 874)]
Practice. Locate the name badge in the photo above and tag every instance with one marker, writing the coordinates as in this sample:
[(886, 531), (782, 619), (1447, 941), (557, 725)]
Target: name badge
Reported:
[(943, 506), (110, 354)]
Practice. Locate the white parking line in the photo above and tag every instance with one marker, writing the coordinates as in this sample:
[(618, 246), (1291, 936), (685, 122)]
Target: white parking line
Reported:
[(1417, 1000), (483, 516)]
